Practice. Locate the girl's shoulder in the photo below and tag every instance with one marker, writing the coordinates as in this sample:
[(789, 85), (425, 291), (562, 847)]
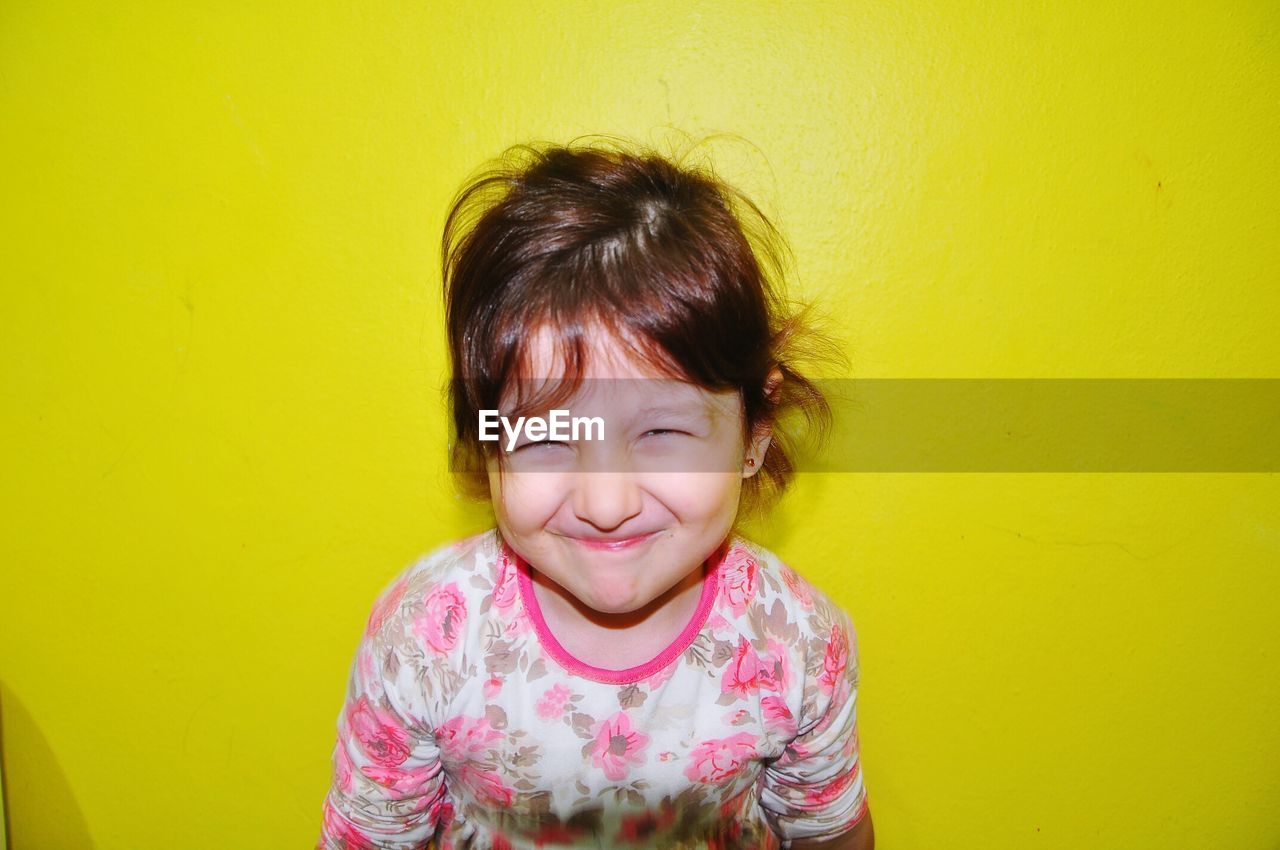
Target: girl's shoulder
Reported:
[(471, 554), (775, 590), (452, 556), (448, 574)]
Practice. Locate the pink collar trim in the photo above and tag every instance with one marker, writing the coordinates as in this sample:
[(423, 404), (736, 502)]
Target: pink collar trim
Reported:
[(710, 587)]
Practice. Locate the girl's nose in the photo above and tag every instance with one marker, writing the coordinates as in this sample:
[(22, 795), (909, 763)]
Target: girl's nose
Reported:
[(606, 499)]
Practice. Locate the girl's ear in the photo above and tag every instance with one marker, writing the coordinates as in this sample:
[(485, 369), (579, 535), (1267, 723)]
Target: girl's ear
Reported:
[(764, 432)]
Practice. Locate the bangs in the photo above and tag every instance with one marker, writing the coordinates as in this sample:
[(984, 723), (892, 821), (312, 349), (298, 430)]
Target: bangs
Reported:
[(520, 386)]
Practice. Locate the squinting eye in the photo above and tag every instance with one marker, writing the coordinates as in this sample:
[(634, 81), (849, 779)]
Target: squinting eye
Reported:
[(662, 431), (523, 446)]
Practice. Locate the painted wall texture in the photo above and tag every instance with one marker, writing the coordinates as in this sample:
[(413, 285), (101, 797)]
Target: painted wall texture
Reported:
[(223, 357)]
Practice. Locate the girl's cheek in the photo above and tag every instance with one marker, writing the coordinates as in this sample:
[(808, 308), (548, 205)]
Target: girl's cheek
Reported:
[(531, 498), (704, 492), (521, 490)]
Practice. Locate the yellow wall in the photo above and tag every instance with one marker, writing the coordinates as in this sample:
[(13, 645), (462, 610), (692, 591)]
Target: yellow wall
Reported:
[(222, 356)]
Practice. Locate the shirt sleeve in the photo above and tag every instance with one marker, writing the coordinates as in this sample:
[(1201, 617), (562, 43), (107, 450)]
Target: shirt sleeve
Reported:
[(388, 789), (815, 789)]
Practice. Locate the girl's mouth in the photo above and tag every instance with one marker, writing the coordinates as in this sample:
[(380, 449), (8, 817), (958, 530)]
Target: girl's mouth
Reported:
[(612, 544)]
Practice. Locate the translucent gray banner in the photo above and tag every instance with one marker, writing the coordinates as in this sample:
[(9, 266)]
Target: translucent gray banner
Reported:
[(1052, 425), (919, 425)]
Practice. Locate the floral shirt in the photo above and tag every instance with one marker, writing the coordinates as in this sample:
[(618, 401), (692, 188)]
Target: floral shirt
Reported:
[(467, 725)]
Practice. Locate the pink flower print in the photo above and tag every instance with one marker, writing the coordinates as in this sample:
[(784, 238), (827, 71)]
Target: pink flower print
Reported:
[(404, 783), (774, 673), (385, 605), (835, 659), (336, 826), (738, 577), (492, 687), (795, 752), (616, 745), (748, 671), (485, 784), (742, 674), (385, 740), (777, 717), (661, 676), (342, 768), (463, 739), (364, 658), (798, 586), (518, 625), (441, 810), (505, 588), (551, 705), (733, 806), (464, 742), (819, 796), (446, 611), (717, 760), (717, 623)]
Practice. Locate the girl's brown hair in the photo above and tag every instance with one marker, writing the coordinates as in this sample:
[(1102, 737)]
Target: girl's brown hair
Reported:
[(666, 256)]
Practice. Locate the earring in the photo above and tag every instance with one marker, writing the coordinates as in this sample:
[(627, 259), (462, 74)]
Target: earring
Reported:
[(751, 461)]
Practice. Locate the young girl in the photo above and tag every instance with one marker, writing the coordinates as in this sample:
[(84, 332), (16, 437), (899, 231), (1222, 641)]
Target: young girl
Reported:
[(611, 665)]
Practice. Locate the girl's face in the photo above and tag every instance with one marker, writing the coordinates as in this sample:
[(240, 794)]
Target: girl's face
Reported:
[(619, 521)]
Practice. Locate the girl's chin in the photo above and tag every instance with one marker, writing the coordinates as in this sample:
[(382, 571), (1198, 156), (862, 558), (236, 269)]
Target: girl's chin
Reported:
[(611, 600), (616, 600)]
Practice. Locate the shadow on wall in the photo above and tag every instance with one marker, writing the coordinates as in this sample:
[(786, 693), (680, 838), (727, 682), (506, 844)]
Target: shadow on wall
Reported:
[(27, 762)]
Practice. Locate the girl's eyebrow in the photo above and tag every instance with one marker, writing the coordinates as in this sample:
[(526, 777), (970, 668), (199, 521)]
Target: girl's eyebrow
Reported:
[(696, 410)]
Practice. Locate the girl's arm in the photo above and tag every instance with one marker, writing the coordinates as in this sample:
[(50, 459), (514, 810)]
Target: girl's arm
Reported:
[(813, 794), (861, 837), (388, 789)]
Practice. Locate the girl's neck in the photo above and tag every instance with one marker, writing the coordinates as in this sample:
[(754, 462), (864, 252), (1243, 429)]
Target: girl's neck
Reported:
[(619, 642), (670, 611)]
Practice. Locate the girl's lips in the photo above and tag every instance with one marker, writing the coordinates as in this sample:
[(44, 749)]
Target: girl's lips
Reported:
[(612, 544)]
